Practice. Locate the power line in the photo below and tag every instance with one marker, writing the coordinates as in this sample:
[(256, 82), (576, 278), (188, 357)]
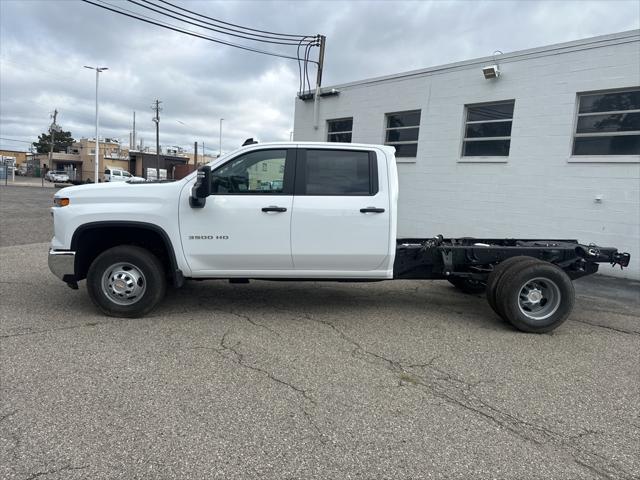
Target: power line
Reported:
[(231, 24), (214, 27), (14, 140), (188, 32)]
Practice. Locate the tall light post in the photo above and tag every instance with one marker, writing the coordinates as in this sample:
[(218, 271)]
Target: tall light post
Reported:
[(220, 153), (98, 70)]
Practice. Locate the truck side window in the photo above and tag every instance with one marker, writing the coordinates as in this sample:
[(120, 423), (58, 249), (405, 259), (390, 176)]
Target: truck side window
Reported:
[(339, 172), (256, 173)]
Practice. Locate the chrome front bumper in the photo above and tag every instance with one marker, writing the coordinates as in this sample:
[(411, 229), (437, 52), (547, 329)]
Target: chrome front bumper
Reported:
[(62, 264)]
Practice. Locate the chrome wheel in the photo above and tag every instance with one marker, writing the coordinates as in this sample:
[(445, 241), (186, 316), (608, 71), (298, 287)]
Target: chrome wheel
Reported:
[(539, 298), (123, 283)]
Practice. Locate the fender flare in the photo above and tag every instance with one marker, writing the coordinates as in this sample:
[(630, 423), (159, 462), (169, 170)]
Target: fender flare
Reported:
[(176, 274)]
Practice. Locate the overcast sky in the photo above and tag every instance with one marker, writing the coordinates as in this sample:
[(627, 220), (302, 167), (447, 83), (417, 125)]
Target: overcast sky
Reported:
[(44, 45)]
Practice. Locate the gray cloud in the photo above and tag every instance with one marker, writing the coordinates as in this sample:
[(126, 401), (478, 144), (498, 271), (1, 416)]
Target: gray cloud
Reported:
[(44, 44)]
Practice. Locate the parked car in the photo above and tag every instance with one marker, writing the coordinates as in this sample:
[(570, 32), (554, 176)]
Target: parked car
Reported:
[(332, 218), (57, 176), (119, 175)]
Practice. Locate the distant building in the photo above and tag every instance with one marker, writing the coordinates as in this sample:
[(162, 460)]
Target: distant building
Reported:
[(549, 147), (144, 164), (79, 160), (20, 156)]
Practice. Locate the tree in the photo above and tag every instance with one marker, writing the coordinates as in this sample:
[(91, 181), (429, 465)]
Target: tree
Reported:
[(62, 141)]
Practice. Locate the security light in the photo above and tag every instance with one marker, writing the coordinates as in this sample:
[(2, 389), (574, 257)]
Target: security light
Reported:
[(491, 71), (330, 93)]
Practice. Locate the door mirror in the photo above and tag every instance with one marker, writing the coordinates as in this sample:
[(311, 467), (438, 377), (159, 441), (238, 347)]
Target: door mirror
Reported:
[(202, 188)]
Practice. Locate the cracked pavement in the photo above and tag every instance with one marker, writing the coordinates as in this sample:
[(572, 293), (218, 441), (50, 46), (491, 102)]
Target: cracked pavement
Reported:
[(391, 380)]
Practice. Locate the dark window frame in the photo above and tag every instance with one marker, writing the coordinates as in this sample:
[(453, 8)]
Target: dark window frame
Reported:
[(288, 181), (301, 173), (503, 138), (339, 132), (601, 135), (387, 129)]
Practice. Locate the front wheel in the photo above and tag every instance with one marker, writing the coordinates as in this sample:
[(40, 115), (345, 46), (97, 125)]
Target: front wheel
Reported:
[(126, 281), (535, 297)]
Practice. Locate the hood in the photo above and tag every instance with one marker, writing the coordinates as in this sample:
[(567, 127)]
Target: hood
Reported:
[(115, 192)]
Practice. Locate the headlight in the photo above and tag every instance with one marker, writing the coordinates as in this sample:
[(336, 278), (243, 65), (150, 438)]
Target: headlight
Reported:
[(60, 201)]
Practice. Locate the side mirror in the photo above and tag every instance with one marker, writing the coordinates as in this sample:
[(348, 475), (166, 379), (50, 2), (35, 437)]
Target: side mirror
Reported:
[(202, 188)]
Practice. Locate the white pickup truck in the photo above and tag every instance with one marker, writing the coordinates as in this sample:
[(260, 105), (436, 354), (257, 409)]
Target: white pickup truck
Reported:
[(297, 211)]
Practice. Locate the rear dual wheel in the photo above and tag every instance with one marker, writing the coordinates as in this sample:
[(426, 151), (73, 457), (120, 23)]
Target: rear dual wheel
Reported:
[(533, 295)]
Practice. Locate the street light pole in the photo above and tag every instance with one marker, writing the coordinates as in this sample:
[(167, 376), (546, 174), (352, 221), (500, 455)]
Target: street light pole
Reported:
[(97, 150), (220, 153)]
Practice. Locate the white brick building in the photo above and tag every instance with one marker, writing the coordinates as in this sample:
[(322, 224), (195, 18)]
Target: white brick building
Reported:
[(521, 171)]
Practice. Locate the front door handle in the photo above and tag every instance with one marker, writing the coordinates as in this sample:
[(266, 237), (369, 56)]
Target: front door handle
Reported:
[(273, 208), (371, 210)]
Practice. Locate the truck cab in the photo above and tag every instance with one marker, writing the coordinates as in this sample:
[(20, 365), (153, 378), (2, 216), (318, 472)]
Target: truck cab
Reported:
[(308, 210)]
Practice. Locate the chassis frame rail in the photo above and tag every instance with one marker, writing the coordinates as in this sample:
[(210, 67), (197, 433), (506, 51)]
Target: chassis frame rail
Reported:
[(438, 257)]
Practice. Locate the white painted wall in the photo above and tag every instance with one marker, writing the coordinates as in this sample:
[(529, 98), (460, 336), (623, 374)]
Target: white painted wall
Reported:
[(540, 190)]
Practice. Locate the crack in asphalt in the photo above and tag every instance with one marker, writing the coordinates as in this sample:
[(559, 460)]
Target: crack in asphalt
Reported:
[(619, 330), (37, 332), (248, 319), (66, 468), (239, 358), (458, 392), (7, 415), (8, 282)]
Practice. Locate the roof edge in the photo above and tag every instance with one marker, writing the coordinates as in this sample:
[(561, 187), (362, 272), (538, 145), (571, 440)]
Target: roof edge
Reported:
[(605, 40)]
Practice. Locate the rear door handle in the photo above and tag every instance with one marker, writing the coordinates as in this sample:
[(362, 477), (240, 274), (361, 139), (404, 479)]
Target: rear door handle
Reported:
[(273, 208), (371, 210)]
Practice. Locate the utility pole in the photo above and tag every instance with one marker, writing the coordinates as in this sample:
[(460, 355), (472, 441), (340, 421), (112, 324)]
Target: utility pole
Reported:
[(133, 143), (220, 154), (52, 133), (156, 119), (316, 109), (323, 40), (195, 153)]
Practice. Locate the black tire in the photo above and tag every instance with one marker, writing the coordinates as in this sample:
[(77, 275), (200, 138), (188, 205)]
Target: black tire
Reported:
[(496, 275), (468, 285), (146, 275), (547, 283)]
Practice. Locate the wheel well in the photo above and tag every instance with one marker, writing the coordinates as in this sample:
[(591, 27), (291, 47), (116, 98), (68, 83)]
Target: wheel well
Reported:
[(90, 241)]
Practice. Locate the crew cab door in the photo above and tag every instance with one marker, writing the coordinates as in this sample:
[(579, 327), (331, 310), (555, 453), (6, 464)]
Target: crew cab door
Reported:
[(341, 213), (245, 226)]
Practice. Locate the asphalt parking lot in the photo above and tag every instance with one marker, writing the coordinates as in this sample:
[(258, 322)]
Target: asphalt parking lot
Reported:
[(391, 380)]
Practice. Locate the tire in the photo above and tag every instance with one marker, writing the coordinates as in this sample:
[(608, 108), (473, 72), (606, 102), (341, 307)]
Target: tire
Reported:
[(496, 275), (467, 285), (126, 281), (535, 297)]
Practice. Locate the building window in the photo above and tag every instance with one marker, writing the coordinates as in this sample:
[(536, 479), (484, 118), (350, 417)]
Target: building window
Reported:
[(402, 130), (339, 130), (608, 123), (487, 130)]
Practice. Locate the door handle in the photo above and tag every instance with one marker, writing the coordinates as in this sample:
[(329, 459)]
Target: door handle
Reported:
[(371, 210), (273, 208)]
